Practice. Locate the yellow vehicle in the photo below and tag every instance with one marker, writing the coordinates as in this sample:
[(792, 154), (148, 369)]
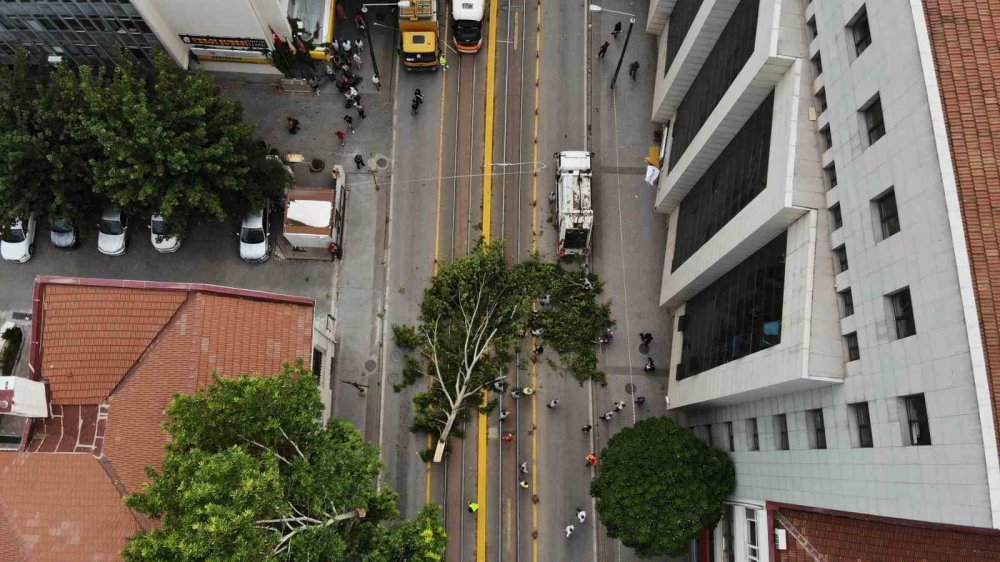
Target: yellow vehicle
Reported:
[(419, 43)]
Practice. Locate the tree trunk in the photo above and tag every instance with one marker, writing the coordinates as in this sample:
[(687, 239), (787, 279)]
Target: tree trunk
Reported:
[(443, 440)]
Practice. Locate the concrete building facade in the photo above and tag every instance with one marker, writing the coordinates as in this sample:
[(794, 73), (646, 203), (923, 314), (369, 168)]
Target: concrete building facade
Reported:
[(828, 332)]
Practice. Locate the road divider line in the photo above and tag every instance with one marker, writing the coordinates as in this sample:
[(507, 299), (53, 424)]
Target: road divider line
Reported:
[(534, 249)]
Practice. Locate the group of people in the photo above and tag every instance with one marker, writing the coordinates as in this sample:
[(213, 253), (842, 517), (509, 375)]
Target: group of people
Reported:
[(633, 69)]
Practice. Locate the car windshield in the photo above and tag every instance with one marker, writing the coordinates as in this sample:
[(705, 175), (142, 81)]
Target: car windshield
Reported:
[(251, 235), (13, 236), (112, 227), (61, 226), (159, 227)]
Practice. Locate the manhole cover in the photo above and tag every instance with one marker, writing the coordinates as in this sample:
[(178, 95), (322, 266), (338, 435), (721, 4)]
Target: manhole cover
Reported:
[(629, 388), (381, 161), (643, 349), (370, 365)]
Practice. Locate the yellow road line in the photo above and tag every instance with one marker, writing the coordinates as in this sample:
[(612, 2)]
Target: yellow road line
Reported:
[(437, 231), (534, 248), (491, 71)]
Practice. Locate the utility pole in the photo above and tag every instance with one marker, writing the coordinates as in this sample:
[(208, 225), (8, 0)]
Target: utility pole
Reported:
[(621, 58)]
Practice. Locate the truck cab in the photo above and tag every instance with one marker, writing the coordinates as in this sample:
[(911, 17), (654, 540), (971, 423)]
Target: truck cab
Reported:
[(419, 40), (574, 208)]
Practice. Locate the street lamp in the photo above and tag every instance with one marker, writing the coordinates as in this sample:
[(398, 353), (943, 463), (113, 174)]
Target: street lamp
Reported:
[(628, 34), (368, 34)]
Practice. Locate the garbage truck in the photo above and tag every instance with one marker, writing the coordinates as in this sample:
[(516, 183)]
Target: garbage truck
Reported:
[(573, 203), (418, 35)]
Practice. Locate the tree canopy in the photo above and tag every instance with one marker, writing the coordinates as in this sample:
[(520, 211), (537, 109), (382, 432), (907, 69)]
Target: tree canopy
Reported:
[(659, 486), (251, 473)]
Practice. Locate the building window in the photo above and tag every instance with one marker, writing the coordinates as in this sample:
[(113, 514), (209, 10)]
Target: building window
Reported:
[(861, 32), (729, 436), (916, 418), (836, 216), (902, 313), (817, 64), (817, 429), (827, 137), (728, 537), (811, 26), (872, 113), (753, 550), (681, 18), (821, 99), (888, 214), (708, 435), (846, 303), (851, 342), (738, 314), (317, 362), (781, 432), (831, 176), (864, 423), (840, 256), (752, 443)]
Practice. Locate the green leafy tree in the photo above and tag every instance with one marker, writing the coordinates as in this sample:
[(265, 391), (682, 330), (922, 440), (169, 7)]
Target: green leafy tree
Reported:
[(251, 473), (24, 170), (659, 487)]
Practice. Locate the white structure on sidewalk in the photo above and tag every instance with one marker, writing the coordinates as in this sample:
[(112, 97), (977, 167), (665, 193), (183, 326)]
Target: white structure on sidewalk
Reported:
[(826, 328)]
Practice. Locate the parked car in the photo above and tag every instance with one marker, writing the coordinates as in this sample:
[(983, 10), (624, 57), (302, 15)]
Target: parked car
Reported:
[(112, 232), (62, 233), (163, 242), (18, 242), (254, 237)]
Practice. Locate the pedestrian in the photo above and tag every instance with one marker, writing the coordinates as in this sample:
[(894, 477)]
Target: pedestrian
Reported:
[(524, 467), (523, 484), (603, 50), (340, 12), (633, 69), (361, 110), (536, 332), (649, 366), (552, 404), (640, 400), (646, 337), (340, 137), (293, 125), (619, 406), (350, 122), (418, 96), (356, 98), (359, 21), (592, 459), (335, 45), (539, 349), (569, 530), (359, 161), (443, 61), (357, 60), (473, 507), (581, 515), (504, 414), (377, 82), (587, 428), (414, 107), (346, 47), (544, 301), (607, 416), (507, 437), (617, 30), (359, 46), (527, 391), (515, 394), (351, 93)]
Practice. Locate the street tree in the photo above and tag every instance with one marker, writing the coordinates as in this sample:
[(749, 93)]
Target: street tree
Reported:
[(251, 473), (469, 321), (659, 486), (24, 169)]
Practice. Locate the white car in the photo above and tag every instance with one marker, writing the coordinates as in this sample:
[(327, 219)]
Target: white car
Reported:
[(163, 242), (254, 244), (18, 243), (62, 233), (112, 233)]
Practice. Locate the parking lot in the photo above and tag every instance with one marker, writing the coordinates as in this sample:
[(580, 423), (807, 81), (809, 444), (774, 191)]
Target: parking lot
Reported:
[(209, 254)]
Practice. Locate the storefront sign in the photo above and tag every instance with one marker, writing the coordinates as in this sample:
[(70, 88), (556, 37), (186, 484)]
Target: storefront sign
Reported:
[(228, 55), (225, 42)]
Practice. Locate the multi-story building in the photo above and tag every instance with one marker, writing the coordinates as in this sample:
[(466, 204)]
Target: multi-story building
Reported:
[(830, 181), (222, 35)]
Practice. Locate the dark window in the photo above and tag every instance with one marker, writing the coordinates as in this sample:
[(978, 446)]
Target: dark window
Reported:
[(781, 432), (738, 314), (317, 363), (723, 64), (888, 214), (861, 32), (680, 22), (835, 214), (846, 303), (817, 63), (902, 312), (864, 420), (851, 341), (818, 428), (728, 539), (827, 137), (831, 175), (840, 256), (729, 436), (708, 435), (811, 26), (873, 120), (736, 177), (752, 442), (821, 99), (916, 418)]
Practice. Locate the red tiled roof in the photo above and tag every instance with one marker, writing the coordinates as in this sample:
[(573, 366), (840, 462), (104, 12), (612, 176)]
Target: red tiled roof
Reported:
[(43, 519), (855, 537), (964, 37)]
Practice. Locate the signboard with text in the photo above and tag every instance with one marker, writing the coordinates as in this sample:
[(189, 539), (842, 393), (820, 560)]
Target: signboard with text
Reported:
[(248, 43)]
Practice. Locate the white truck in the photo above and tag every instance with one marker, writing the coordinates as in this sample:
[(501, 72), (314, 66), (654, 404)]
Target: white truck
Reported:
[(574, 209)]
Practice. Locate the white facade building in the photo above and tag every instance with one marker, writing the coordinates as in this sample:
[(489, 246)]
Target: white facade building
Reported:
[(827, 331)]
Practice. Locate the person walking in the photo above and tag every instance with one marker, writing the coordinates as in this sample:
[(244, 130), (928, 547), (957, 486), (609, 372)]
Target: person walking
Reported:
[(616, 30), (356, 57), (359, 161), (346, 47), (443, 61), (640, 400), (536, 332), (592, 459), (523, 484), (507, 437), (340, 137), (544, 301), (552, 404), (359, 46), (646, 337), (335, 45), (350, 122), (504, 414), (361, 110), (351, 93), (649, 366), (524, 467), (587, 428), (569, 530), (581, 515), (377, 82), (603, 50), (539, 349), (418, 96), (341, 14), (633, 69), (473, 507), (359, 21), (293, 125), (414, 107), (619, 405), (607, 416), (515, 394)]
